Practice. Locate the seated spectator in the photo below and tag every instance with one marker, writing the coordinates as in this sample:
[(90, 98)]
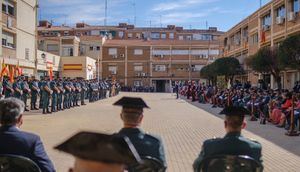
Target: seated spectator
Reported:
[(286, 109), (233, 143), (95, 152), (17, 142)]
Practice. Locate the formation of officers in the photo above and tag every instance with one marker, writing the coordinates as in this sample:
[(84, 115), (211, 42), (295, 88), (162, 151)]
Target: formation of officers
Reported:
[(58, 94)]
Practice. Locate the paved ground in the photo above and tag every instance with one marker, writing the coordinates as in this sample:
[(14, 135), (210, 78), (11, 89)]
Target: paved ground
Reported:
[(182, 126)]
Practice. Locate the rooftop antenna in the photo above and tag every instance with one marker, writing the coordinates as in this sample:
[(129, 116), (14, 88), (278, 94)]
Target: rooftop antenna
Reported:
[(150, 23), (206, 24), (160, 21), (105, 18), (134, 11), (260, 3), (190, 27)]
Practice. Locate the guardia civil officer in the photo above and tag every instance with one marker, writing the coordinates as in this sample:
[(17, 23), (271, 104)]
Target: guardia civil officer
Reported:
[(7, 88), (17, 88), (132, 116), (66, 94), (96, 152), (55, 92), (47, 92), (233, 143), (60, 95), (35, 91), (25, 90), (83, 91)]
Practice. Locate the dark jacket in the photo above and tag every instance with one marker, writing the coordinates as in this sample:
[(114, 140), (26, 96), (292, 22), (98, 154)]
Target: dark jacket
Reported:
[(145, 144), (232, 144), (16, 142)]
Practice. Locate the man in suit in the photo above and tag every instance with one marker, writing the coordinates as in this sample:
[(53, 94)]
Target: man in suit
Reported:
[(17, 142), (233, 143), (132, 116), (96, 152)]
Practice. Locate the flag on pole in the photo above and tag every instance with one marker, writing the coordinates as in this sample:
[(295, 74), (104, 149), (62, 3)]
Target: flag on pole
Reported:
[(18, 70), (4, 70), (12, 74)]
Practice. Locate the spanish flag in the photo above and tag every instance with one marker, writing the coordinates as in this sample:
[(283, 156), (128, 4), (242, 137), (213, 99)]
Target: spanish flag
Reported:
[(4, 70), (18, 70)]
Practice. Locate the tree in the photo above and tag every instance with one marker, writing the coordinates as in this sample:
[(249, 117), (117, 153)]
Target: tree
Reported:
[(208, 72), (289, 52), (266, 60), (228, 67)]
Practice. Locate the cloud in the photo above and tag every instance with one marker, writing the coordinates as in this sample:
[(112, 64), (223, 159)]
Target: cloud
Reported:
[(179, 4)]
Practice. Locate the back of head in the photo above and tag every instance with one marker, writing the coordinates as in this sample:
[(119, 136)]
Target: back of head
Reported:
[(11, 109)]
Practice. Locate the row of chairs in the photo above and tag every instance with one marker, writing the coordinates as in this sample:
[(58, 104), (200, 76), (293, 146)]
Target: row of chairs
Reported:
[(221, 163)]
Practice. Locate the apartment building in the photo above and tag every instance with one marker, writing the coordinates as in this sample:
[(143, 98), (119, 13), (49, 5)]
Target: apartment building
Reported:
[(139, 56), (268, 26), (18, 32)]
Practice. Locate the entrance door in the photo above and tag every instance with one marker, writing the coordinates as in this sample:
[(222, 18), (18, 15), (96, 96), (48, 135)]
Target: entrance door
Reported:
[(161, 86)]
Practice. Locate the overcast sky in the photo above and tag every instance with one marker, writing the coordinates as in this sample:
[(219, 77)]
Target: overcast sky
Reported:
[(187, 13)]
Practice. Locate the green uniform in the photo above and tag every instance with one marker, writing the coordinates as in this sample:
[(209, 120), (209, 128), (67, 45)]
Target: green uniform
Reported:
[(232, 144), (145, 144)]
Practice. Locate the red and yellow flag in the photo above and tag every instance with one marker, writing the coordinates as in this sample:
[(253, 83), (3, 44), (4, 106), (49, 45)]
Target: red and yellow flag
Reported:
[(4, 70)]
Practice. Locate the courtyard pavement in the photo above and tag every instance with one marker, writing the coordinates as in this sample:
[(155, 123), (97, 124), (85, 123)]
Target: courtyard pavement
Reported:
[(182, 126)]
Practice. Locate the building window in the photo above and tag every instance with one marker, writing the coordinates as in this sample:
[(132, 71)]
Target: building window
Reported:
[(113, 69), (180, 37), (8, 39), (138, 35), (137, 83), (180, 52), (138, 52), (98, 48), (129, 35), (27, 53), (189, 37), (112, 51), (254, 39), (171, 35), (91, 48), (138, 68), (66, 33), (296, 6), (121, 34), (281, 11), (197, 68), (67, 51), (8, 8), (95, 32), (52, 47), (155, 35), (163, 36), (266, 20), (160, 68)]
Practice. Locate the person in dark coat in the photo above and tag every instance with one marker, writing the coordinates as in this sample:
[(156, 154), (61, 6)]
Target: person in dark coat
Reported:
[(233, 143), (17, 142), (132, 116)]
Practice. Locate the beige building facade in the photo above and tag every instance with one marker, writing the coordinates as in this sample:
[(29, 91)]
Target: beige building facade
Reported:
[(268, 26), (18, 33)]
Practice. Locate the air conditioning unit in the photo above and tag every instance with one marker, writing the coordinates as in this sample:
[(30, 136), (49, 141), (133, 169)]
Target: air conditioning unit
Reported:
[(162, 56), (114, 56), (143, 74), (122, 55), (266, 27), (291, 16), (279, 20), (113, 72)]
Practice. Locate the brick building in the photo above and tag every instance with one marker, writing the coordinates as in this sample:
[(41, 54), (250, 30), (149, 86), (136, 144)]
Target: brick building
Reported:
[(268, 26), (137, 56)]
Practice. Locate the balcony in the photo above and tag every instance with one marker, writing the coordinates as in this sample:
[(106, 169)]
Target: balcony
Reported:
[(9, 21), (9, 52)]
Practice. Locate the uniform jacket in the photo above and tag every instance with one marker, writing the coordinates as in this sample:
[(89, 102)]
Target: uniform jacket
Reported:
[(232, 144), (145, 144), (16, 142)]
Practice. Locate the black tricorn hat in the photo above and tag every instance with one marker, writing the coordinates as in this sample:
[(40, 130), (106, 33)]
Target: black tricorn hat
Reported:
[(101, 148), (235, 111), (131, 102)]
